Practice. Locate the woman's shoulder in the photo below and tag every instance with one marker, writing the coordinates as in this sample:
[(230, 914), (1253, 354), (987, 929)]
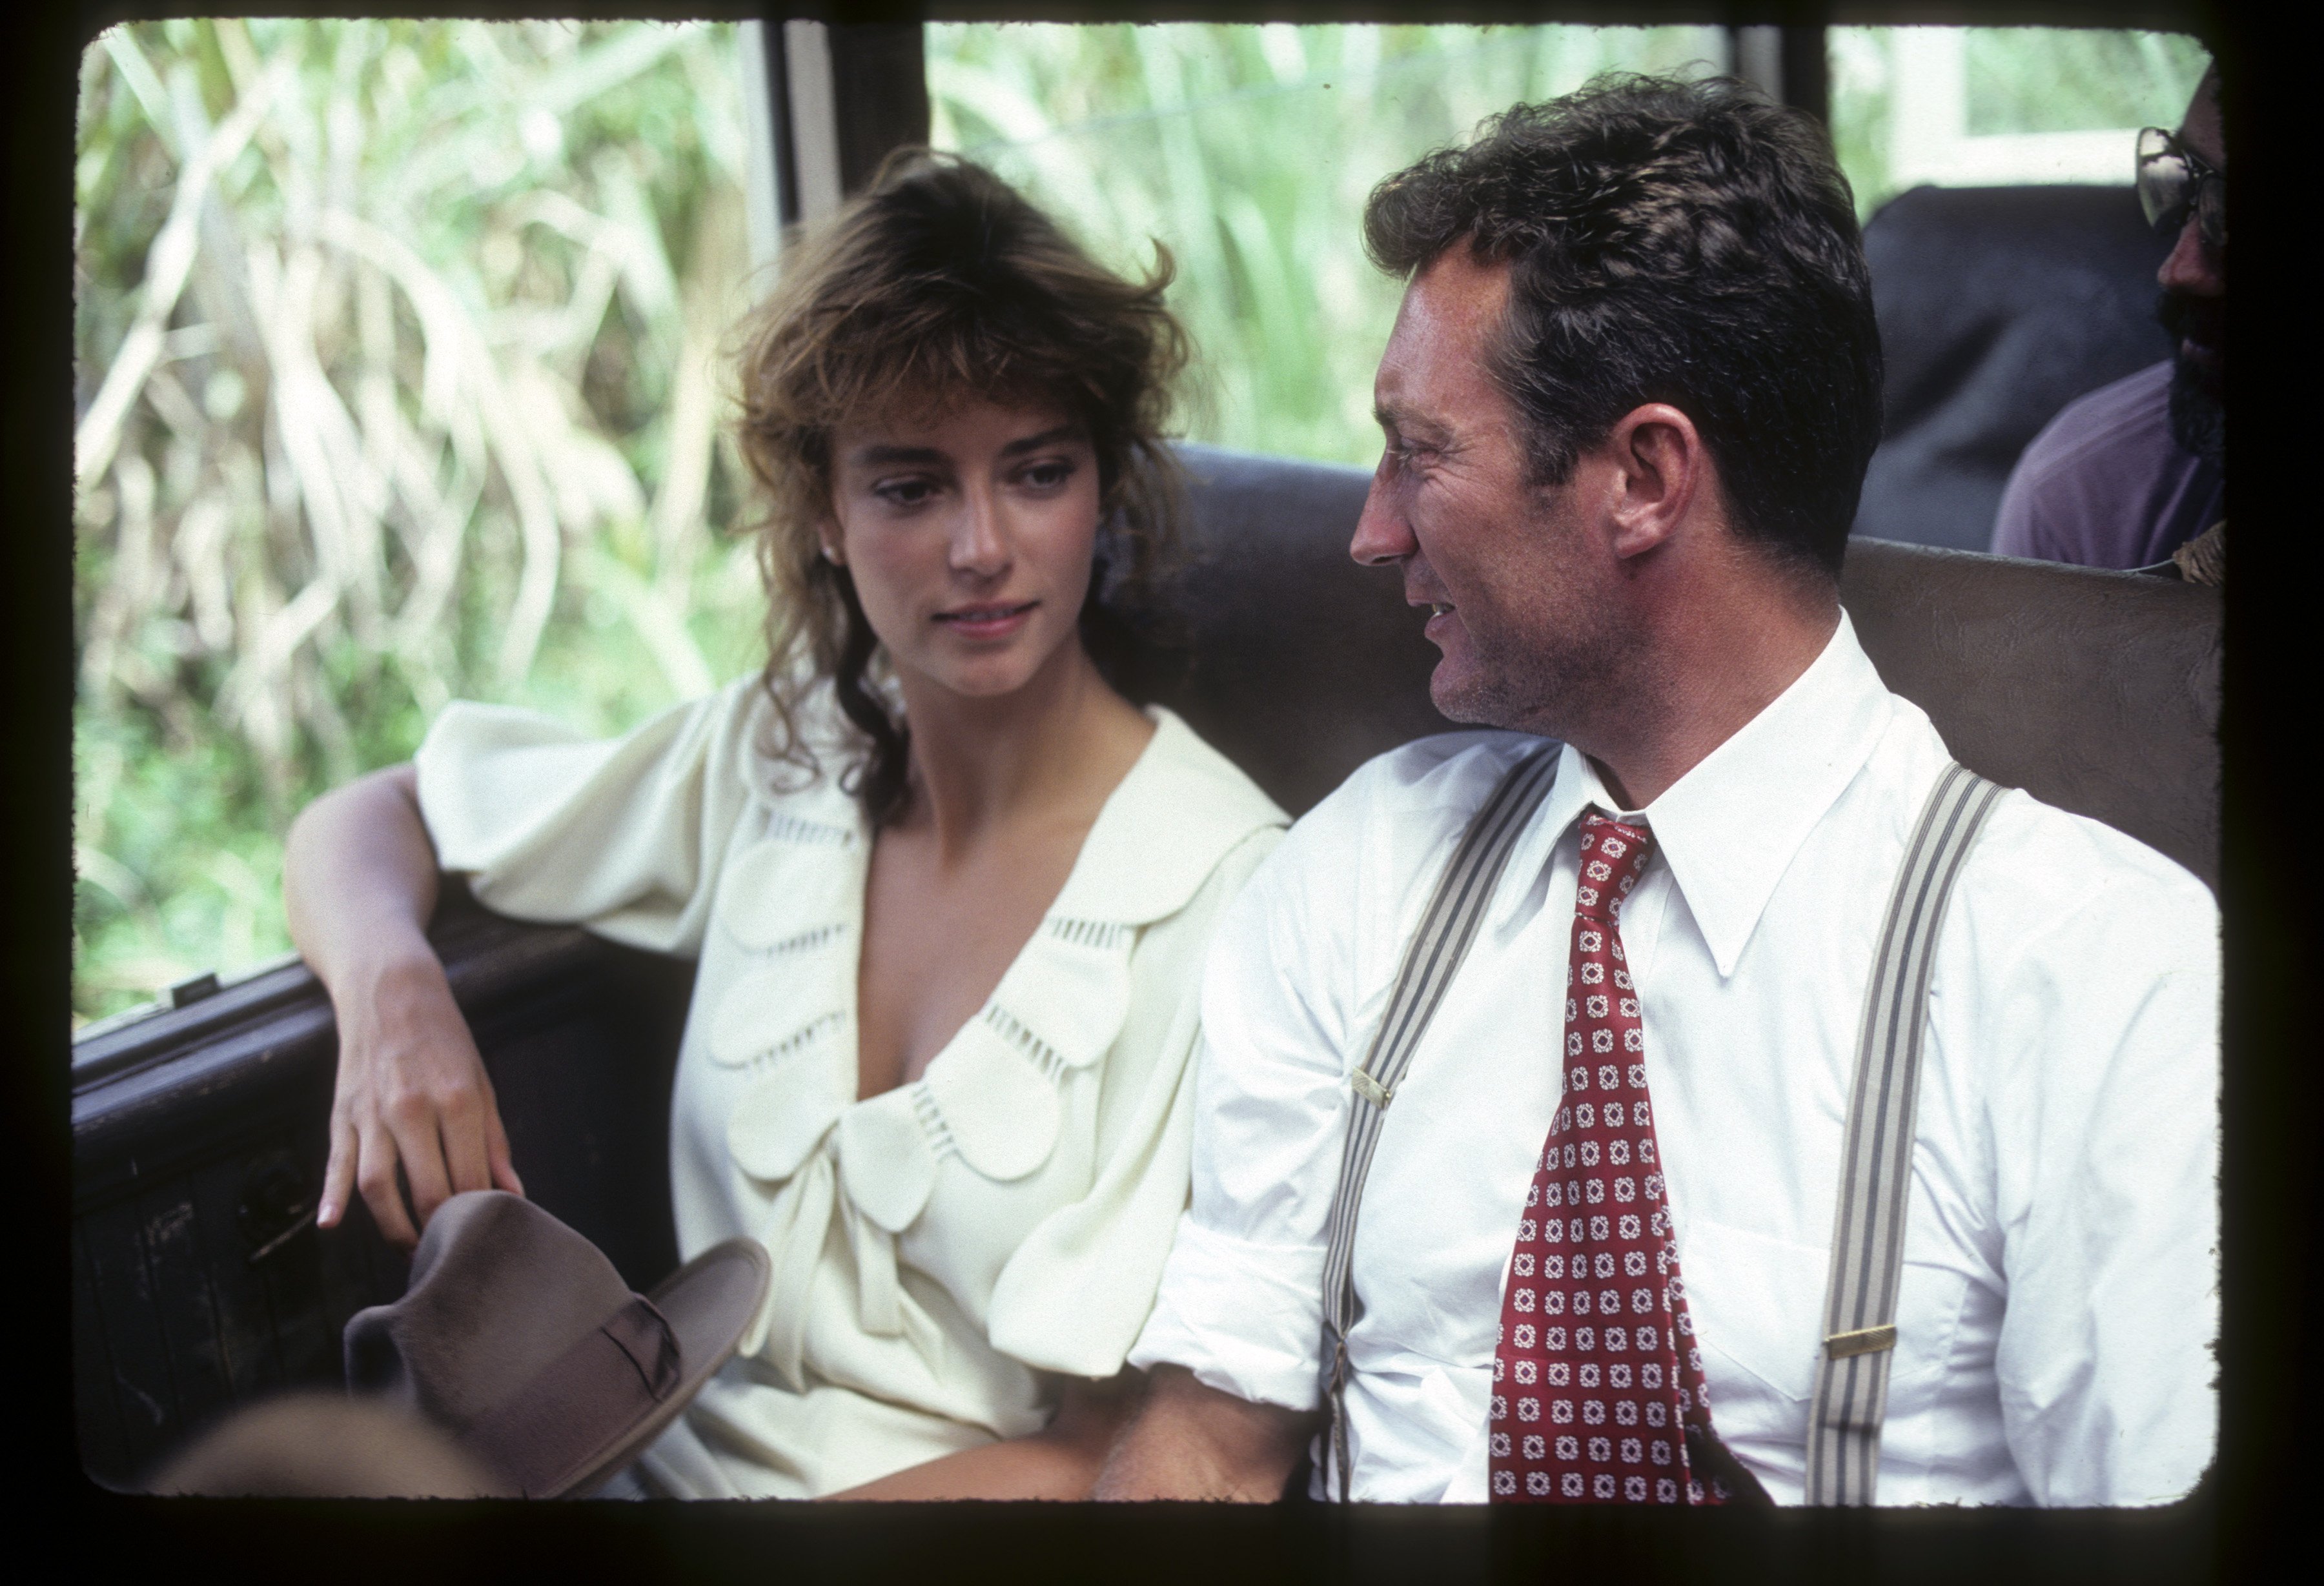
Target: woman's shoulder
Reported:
[(1183, 808)]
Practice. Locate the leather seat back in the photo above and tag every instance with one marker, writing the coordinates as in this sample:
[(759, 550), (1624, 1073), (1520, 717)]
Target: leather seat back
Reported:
[(2096, 692), (1998, 307)]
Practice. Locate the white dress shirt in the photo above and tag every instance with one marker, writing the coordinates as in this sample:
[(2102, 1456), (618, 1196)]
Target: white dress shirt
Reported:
[(2058, 1296)]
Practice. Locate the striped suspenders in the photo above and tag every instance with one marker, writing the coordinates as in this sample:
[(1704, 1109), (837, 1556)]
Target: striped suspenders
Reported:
[(1876, 1172), (1876, 1175), (1429, 964)]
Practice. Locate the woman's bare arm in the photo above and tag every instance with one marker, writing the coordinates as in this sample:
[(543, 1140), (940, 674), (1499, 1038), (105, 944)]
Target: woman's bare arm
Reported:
[(359, 882), (1061, 1461), (1191, 1441)]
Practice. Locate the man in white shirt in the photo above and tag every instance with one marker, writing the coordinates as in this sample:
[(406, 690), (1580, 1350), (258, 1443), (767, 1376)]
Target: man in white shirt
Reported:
[(1628, 403)]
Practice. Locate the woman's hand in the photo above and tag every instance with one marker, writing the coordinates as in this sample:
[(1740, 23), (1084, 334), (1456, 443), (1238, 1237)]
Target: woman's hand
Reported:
[(411, 1093), (359, 881)]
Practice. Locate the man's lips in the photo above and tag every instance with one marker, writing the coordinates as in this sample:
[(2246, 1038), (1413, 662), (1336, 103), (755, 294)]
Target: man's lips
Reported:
[(987, 621), (1440, 616)]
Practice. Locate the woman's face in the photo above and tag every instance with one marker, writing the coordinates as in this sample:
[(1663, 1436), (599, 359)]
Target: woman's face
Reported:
[(969, 532)]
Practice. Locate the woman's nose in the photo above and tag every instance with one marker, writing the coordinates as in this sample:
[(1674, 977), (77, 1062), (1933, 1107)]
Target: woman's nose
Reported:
[(978, 545)]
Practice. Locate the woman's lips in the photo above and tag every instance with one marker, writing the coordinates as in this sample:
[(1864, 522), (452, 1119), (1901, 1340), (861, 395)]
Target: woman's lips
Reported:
[(988, 622)]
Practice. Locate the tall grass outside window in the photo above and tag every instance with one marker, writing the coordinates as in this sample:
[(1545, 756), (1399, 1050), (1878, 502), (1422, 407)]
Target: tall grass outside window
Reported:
[(398, 382)]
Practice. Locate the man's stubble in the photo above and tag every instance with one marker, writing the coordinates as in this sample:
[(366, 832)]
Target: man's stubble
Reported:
[(1557, 652)]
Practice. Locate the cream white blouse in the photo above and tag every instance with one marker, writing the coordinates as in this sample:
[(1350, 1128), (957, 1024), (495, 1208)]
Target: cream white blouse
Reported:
[(945, 1251)]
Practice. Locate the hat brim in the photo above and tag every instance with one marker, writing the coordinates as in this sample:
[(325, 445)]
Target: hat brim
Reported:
[(708, 1303)]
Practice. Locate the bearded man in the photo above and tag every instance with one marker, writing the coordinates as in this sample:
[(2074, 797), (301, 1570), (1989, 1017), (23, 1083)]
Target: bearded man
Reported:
[(1544, 1083), (2133, 474)]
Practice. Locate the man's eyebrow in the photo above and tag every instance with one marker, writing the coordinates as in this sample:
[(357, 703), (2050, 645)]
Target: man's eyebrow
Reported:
[(1401, 418)]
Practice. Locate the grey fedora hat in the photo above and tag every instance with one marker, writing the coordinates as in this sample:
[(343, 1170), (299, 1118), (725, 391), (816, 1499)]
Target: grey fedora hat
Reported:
[(519, 1338)]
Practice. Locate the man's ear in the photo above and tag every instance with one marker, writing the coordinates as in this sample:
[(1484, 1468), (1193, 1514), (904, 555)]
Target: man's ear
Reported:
[(1660, 470)]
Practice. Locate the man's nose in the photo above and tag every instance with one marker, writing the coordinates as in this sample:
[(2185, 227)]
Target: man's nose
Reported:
[(2192, 267), (1382, 535), (979, 546)]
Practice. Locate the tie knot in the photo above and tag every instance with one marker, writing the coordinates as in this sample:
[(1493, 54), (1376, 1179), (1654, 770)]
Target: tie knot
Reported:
[(1614, 854)]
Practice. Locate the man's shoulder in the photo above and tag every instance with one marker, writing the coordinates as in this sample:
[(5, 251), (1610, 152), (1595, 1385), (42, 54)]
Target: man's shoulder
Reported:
[(2130, 412), (2037, 869), (1395, 818), (1442, 779)]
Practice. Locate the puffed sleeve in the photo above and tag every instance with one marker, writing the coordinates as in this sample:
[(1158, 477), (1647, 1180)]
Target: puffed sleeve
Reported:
[(622, 834), (1074, 1295)]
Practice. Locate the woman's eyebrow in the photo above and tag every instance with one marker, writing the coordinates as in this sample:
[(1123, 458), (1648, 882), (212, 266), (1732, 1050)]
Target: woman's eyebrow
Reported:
[(875, 455), (1033, 443)]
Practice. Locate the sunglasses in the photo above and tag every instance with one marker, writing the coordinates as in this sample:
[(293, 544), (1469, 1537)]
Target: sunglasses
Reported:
[(2173, 179)]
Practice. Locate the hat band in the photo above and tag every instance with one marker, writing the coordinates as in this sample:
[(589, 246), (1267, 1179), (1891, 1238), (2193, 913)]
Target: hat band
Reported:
[(582, 1402)]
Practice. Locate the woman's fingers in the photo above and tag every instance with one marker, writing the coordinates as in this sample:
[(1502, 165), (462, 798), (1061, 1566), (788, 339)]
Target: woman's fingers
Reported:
[(339, 1173), (414, 1124), (375, 1177), (496, 1150), (460, 1115)]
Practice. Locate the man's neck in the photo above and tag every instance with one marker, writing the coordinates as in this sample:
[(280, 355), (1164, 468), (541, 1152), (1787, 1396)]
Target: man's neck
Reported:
[(1708, 675)]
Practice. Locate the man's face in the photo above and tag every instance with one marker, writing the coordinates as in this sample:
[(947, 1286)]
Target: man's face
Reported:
[(2194, 305), (1524, 603)]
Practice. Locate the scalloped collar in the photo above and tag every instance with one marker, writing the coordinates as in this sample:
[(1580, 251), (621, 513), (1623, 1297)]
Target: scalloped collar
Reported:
[(1163, 829), (1160, 832)]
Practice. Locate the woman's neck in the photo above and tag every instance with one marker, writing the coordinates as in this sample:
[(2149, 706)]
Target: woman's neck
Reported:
[(1053, 749)]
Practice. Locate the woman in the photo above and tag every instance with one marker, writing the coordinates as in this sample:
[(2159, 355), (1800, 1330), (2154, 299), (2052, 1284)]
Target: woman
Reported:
[(948, 889)]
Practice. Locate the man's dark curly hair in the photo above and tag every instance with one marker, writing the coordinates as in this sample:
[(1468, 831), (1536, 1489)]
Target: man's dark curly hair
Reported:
[(1687, 243)]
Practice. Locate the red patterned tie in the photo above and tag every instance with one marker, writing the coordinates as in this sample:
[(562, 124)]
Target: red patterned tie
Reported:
[(1597, 1381)]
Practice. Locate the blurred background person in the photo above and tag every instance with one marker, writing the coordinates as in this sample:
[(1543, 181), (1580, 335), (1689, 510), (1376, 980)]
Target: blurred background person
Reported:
[(2133, 475), (324, 1445)]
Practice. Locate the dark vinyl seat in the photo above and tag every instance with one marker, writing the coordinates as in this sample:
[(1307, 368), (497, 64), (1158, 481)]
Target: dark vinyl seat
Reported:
[(2096, 692), (1998, 307)]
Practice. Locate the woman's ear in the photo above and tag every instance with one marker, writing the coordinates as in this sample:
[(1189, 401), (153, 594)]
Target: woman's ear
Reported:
[(828, 533)]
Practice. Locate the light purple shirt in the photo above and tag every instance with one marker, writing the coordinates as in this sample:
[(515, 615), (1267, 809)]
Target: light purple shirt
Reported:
[(2104, 485)]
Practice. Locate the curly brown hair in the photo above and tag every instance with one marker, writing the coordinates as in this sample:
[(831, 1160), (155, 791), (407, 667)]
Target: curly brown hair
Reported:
[(941, 282)]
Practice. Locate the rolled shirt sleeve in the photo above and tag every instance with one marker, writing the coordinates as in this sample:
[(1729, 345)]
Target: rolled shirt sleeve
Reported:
[(1241, 1300)]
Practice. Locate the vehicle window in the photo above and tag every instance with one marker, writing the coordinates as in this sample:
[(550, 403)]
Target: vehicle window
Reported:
[(2000, 107), (397, 349), (1247, 149)]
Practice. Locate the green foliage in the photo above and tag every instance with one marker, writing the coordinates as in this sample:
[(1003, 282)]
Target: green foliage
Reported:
[(432, 412), (1248, 152), (2014, 80), (2068, 79)]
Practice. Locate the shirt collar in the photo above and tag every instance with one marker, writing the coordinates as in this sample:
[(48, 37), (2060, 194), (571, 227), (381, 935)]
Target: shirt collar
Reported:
[(1730, 827), (1164, 829)]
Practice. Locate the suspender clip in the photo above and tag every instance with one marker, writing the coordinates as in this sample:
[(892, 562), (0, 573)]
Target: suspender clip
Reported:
[(1371, 1089), (1864, 1341)]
